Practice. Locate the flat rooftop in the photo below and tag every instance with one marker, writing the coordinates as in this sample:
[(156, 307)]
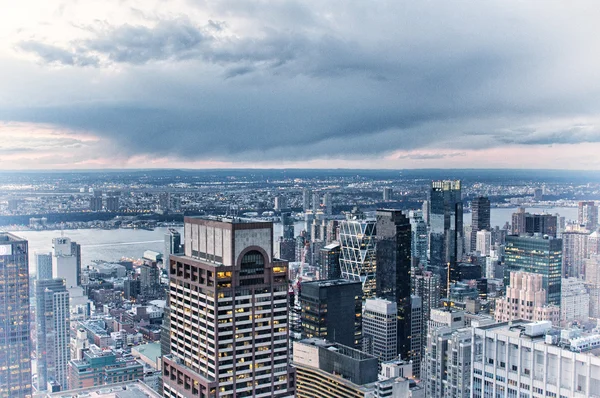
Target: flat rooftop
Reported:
[(330, 282), (135, 389), (228, 220), (337, 348)]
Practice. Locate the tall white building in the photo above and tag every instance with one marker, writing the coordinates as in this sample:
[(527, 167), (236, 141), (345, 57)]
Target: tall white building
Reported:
[(43, 262), (524, 359), (380, 328), (574, 301), (66, 261), (228, 318), (358, 252), (484, 242)]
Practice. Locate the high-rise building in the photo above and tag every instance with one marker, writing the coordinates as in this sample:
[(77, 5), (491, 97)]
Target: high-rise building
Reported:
[(483, 241), (418, 242), (332, 310), (306, 196), (426, 285), (172, 245), (526, 223), (480, 217), (526, 299), (446, 229), (520, 358), (575, 252), (229, 314), (574, 302), (394, 270), (330, 261), (66, 261), (327, 203), (416, 334), (539, 255), (388, 194), (52, 334), (279, 203), (96, 203), (316, 202), (358, 258), (43, 263), (285, 249), (15, 343), (112, 203), (287, 221), (587, 215), (380, 328)]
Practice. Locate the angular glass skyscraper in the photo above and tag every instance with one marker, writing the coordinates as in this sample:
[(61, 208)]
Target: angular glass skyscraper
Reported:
[(15, 343), (480, 217), (358, 257)]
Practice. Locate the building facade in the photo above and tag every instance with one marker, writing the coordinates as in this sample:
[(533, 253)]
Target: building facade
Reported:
[(52, 333), (358, 253), (15, 343), (229, 314), (480, 217), (380, 328), (538, 254)]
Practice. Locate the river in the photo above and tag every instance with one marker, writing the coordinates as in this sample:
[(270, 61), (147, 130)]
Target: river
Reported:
[(112, 245)]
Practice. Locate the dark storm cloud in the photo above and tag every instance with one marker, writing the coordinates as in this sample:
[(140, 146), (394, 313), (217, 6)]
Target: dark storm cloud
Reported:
[(324, 79)]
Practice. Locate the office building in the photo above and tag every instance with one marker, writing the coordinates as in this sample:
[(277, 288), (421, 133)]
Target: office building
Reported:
[(539, 255), (229, 315), (587, 215), (330, 261), (332, 310), (380, 329), (43, 263), (416, 335), (15, 348), (329, 370), (66, 261), (285, 249), (480, 217), (279, 203), (394, 270), (445, 229), (96, 203), (316, 202), (126, 389), (526, 299), (575, 252), (287, 221), (172, 245), (524, 359), (306, 196), (327, 203), (101, 366), (358, 255), (574, 302), (483, 241), (52, 333), (388, 194), (526, 223), (418, 242)]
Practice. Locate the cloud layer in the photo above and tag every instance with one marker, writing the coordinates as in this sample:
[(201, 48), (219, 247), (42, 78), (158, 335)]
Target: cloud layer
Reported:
[(252, 81)]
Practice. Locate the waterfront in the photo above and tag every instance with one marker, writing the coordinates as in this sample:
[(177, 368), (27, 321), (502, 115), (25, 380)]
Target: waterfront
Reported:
[(113, 244)]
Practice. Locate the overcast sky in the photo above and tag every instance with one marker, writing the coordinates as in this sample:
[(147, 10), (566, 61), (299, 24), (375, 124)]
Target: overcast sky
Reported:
[(308, 83)]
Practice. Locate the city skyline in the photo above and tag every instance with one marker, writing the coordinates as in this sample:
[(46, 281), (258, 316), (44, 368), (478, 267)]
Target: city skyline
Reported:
[(298, 84)]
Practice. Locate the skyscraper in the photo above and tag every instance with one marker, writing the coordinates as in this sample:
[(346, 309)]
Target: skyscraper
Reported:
[(394, 270), (332, 310), (330, 261), (15, 343), (229, 316), (327, 203), (523, 222), (418, 242), (52, 331), (44, 265), (575, 252), (358, 258), (380, 328), (480, 217), (539, 255), (446, 229), (587, 215), (306, 196), (66, 261), (172, 245)]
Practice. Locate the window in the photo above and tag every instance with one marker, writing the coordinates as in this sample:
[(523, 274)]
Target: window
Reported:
[(253, 263)]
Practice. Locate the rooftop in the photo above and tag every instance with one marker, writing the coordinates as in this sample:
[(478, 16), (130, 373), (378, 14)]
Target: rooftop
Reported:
[(339, 348), (330, 282), (135, 389)]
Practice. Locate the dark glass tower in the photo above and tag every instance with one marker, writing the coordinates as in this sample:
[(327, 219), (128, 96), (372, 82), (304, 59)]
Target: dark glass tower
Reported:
[(15, 343), (539, 255), (394, 270), (445, 229), (480, 217)]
